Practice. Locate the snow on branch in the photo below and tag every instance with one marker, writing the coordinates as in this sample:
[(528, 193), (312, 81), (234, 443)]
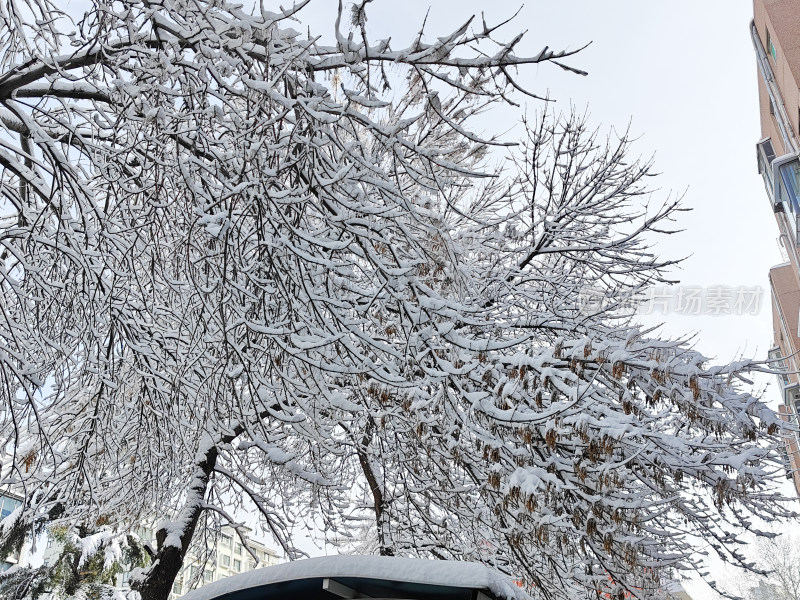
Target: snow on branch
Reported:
[(236, 271)]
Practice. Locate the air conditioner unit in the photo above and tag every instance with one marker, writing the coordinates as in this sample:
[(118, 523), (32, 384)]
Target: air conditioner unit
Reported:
[(791, 397), (765, 154)]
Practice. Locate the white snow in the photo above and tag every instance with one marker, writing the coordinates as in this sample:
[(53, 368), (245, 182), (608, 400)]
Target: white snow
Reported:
[(411, 570)]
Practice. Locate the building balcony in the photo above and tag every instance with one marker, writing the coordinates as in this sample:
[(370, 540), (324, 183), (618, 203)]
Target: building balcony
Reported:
[(781, 177)]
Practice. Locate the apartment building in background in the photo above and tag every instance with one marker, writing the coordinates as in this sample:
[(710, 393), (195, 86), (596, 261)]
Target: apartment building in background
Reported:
[(775, 31), (227, 557)]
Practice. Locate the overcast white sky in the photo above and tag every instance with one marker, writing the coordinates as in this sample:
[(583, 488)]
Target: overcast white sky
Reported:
[(683, 73)]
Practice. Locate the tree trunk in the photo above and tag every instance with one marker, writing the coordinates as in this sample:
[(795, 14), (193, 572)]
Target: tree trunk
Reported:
[(385, 540), (168, 560)]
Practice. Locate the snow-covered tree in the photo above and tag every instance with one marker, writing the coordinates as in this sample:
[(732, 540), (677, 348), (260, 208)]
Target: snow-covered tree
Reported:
[(776, 573), (86, 565), (237, 272), (565, 446)]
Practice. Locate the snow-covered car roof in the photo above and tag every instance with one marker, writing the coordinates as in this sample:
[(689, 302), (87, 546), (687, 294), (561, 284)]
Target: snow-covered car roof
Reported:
[(333, 577)]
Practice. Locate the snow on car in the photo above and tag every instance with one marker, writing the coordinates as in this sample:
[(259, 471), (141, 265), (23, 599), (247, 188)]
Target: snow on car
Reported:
[(334, 577)]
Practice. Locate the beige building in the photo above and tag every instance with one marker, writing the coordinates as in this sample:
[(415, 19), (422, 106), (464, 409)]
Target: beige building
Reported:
[(776, 39), (674, 591), (228, 557)]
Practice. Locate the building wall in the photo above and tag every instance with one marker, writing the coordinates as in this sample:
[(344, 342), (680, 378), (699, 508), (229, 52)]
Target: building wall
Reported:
[(785, 316), (769, 126), (777, 23)]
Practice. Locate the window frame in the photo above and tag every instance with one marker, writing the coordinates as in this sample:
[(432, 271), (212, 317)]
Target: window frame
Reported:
[(771, 50)]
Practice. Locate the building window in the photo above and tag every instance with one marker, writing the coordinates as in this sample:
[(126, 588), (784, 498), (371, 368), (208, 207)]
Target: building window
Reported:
[(208, 577), (787, 465), (771, 47), (226, 560), (779, 365), (238, 548), (8, 505), (226, 540), (177, 588), (788, 187), (237, 565), (252, 565)]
